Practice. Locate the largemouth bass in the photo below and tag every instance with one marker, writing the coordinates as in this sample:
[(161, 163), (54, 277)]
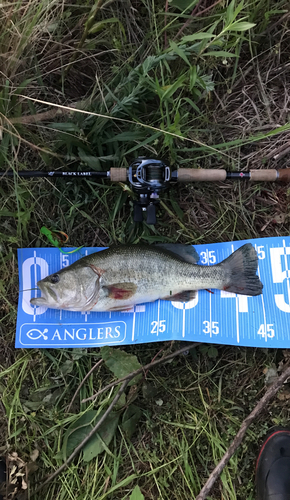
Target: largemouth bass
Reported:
[(120, 277)]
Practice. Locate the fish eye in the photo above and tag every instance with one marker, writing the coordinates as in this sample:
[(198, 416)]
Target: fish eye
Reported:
[(54, 278)]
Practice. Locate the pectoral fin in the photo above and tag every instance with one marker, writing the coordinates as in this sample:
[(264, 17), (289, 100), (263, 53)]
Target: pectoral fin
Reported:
[(182, 296), (121, 291)]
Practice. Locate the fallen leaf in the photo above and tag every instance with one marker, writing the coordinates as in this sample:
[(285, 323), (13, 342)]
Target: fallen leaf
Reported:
[(132, 394), (285, 394), (23, 484), (279, 218), (271, 375), (34, 455)]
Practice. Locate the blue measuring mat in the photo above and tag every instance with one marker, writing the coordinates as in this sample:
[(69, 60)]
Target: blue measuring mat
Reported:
[(219, 317)]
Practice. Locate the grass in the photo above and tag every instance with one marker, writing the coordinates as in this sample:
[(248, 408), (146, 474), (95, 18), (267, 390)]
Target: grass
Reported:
[(211, 95)]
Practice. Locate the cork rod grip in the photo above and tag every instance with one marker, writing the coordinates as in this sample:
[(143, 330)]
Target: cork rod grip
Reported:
[(270, 175), (118, 174), (200, 175)]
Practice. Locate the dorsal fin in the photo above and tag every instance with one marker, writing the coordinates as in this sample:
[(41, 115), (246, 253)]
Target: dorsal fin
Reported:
[(185, 252)]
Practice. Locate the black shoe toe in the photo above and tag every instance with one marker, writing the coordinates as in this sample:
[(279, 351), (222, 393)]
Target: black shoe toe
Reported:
[(2, 475), (273, 467)]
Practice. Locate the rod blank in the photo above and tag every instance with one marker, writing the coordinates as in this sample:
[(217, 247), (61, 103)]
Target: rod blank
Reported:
[(52, 174)]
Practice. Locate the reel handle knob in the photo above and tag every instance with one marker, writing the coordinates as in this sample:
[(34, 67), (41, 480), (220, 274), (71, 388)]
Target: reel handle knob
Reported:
[(151, 214), (138, 213)]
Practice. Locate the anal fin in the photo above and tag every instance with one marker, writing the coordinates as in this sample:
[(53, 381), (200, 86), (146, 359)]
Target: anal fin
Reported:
[(120, 309), (185, 296)]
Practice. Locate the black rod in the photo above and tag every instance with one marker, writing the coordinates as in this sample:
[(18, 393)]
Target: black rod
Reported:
[(61, 173), (53, 173)]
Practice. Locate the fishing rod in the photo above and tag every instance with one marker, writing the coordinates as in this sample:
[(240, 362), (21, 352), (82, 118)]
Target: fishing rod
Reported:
[(148, 177)]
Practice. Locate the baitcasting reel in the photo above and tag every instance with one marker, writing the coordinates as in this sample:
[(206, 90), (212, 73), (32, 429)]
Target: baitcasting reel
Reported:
[(148, 178)]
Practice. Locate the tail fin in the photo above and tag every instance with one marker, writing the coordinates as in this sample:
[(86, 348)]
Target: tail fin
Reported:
[(241, 268)]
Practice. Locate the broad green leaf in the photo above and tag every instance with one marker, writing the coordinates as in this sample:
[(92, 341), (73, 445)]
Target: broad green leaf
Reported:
[(78, 353), (203, 349), (179, 52), (121, 402), (148, 140), (171, 89), (219, 53), (176, 207), (212, 352), (195, 107), (192, 77), (22, 86), (183, 4), (65, 127), (82, 427), (120, 362), (149, 391), (7, 213), (205, 81), (102, 438), (118, 486), (130, 135), (242, 26), (77, 431), (89, 160), (67, 367), (136, 494), (203, 44), (273, 12), (130, 420), (120, 202), (87, 216), (238, 10), (196, 36), (32, 405), (101, 25), (231, 13)]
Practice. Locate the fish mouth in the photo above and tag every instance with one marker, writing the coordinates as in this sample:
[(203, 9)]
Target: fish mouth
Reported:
[(38, 301), (44, 299)]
